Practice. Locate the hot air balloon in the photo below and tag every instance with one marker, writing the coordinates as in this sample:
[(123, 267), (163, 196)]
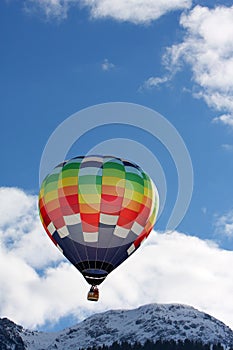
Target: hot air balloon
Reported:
[(97, 210)]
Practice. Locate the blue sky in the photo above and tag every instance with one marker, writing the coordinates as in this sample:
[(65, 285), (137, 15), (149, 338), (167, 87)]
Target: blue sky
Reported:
[(60, 57)]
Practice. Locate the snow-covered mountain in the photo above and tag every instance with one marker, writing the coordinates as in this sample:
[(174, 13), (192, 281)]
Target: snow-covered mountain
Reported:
[(153, 322)]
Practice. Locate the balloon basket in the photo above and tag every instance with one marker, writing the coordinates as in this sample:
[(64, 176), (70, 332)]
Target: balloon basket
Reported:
[(93, 295)]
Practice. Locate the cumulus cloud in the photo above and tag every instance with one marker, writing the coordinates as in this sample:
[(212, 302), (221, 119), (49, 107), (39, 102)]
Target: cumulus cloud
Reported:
[(106, 65), (168, 268), (136, 11), (224, 223), (207, 48), (21, 232)]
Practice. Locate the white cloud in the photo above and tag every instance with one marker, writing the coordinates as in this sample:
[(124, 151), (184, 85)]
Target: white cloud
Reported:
[(208, 49), (21, 233), (14, 209), (50, 8), (224, 223), (226, 119), (168, 268), (227, 147), (106, 65), (136, 11), (155, 82), (183, 269)]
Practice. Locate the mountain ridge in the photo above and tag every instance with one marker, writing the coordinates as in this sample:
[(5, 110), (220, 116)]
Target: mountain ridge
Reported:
[(148, 322)]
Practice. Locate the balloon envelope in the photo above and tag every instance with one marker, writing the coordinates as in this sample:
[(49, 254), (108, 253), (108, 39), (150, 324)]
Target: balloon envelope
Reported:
[(97, 210)]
